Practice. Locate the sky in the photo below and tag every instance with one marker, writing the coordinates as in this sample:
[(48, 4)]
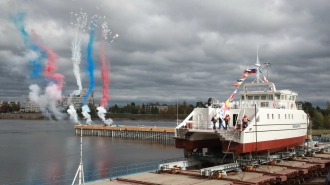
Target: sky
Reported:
[(188, 50)]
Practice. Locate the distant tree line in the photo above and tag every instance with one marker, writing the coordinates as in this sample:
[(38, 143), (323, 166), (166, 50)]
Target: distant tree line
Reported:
[(10, 107), (154, 108), (320, 117)]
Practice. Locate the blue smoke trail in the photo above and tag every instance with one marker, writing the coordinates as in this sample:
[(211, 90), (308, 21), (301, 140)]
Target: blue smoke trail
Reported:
[(36, 63), (91, 66)]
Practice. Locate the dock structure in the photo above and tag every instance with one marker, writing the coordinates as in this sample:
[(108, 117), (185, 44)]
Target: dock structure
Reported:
[(290, 167), (157, 134)]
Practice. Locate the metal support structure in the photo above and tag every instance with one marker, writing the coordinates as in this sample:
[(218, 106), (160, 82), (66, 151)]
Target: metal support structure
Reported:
[(268, 65), (80, 170)]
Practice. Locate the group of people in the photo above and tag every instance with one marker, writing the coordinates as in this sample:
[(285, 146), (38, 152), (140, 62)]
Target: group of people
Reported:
[(245, 121), (227, 119)]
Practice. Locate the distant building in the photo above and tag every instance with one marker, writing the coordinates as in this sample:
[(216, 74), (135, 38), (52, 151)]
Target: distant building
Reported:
[(31, 106), (76, 100), (148, 107)]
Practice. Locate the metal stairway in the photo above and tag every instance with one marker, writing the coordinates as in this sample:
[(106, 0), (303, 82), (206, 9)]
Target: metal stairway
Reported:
[(229, 135)]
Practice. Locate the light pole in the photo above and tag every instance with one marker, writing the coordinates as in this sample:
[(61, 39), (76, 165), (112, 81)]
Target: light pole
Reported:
[(268, 65)]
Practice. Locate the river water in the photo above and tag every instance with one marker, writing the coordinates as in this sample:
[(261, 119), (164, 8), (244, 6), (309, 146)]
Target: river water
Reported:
[(33, 149)]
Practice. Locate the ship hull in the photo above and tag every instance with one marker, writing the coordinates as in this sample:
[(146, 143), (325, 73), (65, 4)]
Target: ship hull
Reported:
[(207, 143), (270, 145)]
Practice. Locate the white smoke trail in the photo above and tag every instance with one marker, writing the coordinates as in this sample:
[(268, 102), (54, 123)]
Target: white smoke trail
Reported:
[(85, 113), (47, 101), (101, 113), (73, 114), (76, 59)]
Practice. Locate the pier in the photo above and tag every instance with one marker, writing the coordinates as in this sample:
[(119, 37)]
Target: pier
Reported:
[(156, 134)]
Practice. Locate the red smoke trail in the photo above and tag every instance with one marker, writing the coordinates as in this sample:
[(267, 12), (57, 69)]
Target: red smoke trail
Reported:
[(105, 76), (51, 64)]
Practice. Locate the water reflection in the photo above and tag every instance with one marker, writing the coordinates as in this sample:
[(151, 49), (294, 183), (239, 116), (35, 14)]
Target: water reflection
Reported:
[(32, 149)]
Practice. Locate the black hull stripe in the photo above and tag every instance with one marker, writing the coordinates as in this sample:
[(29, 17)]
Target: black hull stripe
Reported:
[(275, 130)]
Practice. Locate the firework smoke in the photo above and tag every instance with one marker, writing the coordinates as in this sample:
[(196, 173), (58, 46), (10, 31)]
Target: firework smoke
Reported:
[(87, 116), (105, 77), (76, 59), (90, 72), (35, 62)]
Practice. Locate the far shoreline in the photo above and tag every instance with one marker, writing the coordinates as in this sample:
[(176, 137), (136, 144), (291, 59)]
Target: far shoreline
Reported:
[(153, 117)]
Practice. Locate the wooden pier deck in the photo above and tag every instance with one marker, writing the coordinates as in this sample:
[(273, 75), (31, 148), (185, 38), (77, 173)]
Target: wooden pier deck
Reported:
[(154, 134)]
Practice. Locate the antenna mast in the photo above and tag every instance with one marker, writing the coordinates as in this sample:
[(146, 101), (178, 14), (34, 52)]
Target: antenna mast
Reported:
[(80, 168)]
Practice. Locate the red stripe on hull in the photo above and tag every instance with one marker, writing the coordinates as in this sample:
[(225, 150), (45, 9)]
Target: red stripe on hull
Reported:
[(272, 145), (208, 143)]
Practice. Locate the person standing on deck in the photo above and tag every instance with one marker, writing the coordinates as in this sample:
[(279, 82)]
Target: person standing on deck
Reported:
[(227, 119), (220, 124), (245, 121), (214, 120)]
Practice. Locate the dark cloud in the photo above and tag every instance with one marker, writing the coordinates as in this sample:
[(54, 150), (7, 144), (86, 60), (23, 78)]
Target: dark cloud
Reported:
[(188, 48)]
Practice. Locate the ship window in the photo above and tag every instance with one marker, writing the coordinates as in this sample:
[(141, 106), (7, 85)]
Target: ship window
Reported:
[(292, 116), (288, 116), (289, 97), (293, 98), (285, 116), (256, 97), (242, 98), (250, 97), (267, 116), (264, 104), (279, 116), (272, 116), (270, 97), (278, 97), (286, 97), (263, 97), (282, 97)]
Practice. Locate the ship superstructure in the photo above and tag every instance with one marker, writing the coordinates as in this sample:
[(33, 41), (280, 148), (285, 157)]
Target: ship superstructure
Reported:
[(276, 121)]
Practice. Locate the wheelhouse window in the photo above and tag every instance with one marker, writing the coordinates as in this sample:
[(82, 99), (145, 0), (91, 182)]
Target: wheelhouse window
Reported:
[(282, 97), (256, 97), (250, 97), (242, 97), (263, 97), (264, 104), (278, 97), (270, 96)]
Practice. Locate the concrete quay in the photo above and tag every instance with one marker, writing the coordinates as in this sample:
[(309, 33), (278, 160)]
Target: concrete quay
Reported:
[(300, 170)]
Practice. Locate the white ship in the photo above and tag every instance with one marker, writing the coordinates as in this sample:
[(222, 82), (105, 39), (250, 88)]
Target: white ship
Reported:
[(276, 122)]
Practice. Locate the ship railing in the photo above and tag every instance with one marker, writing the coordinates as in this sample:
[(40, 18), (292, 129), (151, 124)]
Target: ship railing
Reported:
[(106, 173), (199, 125)]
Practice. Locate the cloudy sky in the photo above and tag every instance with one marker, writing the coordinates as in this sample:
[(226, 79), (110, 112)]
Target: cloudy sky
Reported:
[(191, 48)]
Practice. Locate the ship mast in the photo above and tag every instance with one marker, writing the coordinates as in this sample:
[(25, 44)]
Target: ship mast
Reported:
[(257, 67)]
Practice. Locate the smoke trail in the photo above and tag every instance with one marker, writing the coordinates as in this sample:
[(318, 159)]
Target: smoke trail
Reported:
[(87, 116), (90, 73), (76, 47), (105, 77), (90, 65), (35, 63), (101, 113), (53, 91), (73, 114), (76, 59)]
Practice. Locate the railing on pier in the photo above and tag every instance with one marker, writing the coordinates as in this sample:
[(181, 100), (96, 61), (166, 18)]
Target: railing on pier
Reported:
[(106, 173), (149, 134)]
